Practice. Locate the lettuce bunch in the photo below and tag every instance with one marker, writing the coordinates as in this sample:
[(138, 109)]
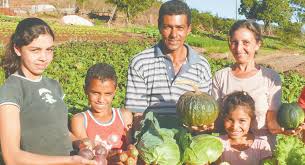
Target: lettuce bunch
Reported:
[(157, 145), (289, 150), (200, 149)]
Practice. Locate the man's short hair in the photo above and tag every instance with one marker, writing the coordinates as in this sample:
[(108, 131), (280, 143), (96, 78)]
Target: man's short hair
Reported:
[(174, 7)]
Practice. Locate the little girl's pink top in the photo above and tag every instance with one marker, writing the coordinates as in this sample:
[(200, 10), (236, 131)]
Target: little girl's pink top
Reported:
[(259, 150)]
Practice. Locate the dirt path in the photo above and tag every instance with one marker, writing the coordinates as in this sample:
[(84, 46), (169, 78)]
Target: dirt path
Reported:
[(283, 61), (280, 60)]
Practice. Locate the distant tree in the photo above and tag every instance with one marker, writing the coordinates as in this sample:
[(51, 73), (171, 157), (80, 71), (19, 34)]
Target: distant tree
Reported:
[(249, 8), (81, 3), (289, 31), (132, 7), (269, 11), (275, 11), (209, 23)]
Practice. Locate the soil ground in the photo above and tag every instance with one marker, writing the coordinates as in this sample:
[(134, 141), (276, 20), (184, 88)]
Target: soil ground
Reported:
[(279, 60)]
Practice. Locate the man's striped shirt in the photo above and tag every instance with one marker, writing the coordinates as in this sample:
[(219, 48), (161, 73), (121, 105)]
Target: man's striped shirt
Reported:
[(153, 85)]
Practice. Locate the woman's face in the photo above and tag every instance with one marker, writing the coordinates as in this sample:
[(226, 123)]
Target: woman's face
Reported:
[(36, 56), (243, 45)]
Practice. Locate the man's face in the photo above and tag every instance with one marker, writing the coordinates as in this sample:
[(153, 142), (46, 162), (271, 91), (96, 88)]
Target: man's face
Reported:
[(174, 31)]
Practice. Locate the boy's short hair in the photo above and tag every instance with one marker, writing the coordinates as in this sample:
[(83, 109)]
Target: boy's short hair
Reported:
[(174, 7), (101, 71)]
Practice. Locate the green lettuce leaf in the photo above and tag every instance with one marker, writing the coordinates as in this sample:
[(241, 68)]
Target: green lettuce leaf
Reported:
[(203, 149), (289, 150), (157, 145)]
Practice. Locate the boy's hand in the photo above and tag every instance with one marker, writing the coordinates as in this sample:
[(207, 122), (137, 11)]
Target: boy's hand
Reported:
[(114, 157)]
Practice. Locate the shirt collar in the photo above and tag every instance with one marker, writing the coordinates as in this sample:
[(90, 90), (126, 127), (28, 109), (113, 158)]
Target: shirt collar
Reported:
[(192, 55)]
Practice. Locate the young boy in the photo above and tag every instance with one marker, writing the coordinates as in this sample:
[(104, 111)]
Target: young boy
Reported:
[(112, 125)]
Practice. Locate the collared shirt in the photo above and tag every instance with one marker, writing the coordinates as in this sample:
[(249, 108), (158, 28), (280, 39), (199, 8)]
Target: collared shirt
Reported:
[(152, 83)]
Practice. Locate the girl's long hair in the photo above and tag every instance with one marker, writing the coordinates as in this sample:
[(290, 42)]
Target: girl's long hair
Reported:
[(26, 31)]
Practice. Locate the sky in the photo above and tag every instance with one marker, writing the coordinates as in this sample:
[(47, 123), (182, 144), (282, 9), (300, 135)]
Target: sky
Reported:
[(222, 8)]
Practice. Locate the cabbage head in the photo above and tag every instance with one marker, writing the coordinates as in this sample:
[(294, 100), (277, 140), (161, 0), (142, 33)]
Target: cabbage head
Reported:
[(157, 145), (203, 149)]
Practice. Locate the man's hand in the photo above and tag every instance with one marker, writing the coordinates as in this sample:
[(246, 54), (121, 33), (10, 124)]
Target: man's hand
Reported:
[(200, 129)]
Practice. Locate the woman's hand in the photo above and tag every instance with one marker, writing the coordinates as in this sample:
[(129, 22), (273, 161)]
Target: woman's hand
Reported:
[(296, 131), (275, 128)]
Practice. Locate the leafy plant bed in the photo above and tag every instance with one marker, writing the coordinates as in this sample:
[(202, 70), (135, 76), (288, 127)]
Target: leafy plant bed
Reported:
[(72, 60)]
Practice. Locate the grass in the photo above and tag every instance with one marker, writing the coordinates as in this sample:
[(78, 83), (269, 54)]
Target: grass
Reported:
[(209, 44)]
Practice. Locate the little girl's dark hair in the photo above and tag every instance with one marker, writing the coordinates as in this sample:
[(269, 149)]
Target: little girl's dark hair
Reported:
[(26, 31), (101, 71), (239, 98)]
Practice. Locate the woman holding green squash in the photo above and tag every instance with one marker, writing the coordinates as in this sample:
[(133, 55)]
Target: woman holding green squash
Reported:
[(263, 84)]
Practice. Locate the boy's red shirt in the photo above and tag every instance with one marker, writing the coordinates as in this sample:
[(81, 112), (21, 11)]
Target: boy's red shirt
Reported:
[(302, 99)]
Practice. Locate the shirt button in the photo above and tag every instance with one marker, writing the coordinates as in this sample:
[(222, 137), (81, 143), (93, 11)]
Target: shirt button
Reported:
[(169, 67), (172, 79)]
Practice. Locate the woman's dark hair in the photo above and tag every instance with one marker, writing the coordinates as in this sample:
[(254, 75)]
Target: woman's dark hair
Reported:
[(26, 31), (250, 25), (240, 98), (174, 7), (101, 71)]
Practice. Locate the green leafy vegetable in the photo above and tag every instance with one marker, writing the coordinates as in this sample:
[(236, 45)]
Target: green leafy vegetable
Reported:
[(290, 150), (157, 145), (201, 149)]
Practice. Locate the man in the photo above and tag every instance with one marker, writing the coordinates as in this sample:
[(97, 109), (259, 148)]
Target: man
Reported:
[(158, 76)]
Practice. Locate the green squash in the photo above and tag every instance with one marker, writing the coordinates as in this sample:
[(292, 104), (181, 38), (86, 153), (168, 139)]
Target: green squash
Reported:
[(195, 108), (290, 115)]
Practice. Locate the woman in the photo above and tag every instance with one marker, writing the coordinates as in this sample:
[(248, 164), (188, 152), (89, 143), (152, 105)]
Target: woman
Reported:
[(262, 83), (33, 116)]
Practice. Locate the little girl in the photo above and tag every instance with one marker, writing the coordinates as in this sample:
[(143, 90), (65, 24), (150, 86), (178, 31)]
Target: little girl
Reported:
[(240, 145)]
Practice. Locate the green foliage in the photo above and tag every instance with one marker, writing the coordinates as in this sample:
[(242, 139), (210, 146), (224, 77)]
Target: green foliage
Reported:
[(4, 18), (290, 150), (72, 60), (292, 84), (203, 149), (209, 23), (157, 145), (208, 43), (218, 64), (249, 8), (275, 11), (269, 11), (288, 32), (132, 7)]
